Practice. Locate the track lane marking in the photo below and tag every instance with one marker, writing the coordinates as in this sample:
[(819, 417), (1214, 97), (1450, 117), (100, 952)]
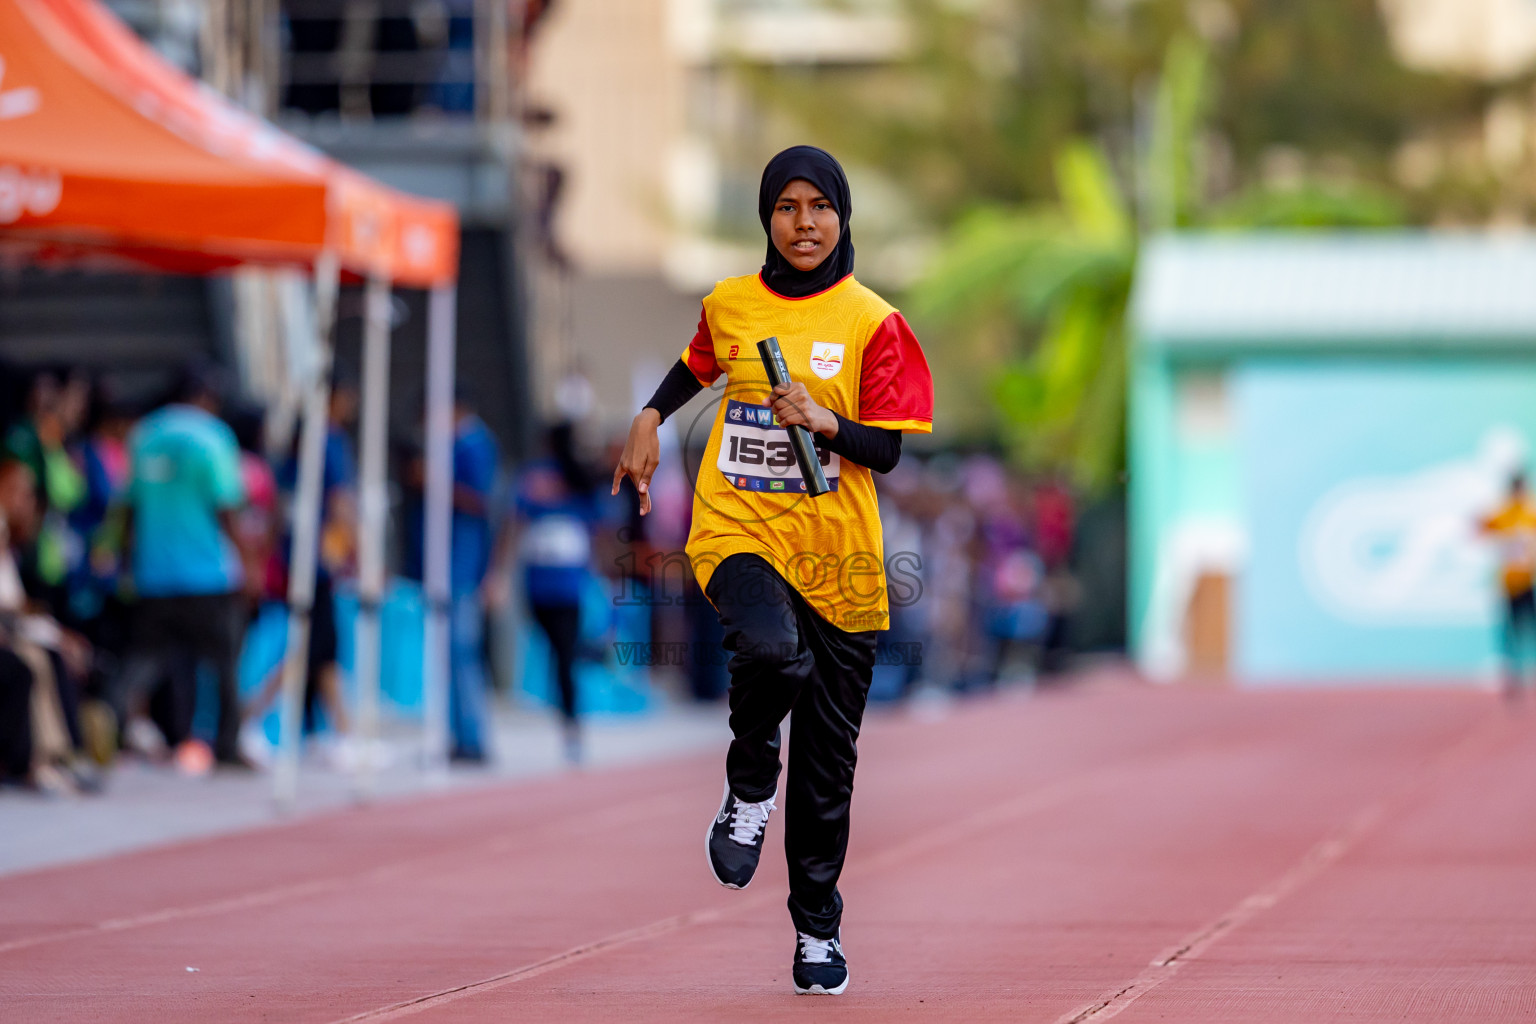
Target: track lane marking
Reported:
[(1044, 797), (1048, 794), (1318, 858), (576, 953), (576, 823)]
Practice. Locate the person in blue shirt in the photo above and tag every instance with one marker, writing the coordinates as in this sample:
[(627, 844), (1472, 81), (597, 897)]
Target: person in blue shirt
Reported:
[(555, 513), (183, 491), (337, 556), (476, 457)]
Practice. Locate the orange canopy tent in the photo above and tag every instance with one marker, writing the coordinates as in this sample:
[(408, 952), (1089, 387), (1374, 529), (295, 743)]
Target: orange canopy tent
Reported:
[(109, 154), (106, 148)]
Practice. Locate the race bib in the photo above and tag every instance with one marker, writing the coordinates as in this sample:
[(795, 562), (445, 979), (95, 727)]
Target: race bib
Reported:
[(755, 455), (1518, 548)]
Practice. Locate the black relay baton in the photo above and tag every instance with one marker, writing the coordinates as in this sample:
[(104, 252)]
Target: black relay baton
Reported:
[(799, 438)]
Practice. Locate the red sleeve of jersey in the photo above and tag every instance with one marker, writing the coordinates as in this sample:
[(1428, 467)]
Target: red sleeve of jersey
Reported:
[(896, 389), (700, 353)]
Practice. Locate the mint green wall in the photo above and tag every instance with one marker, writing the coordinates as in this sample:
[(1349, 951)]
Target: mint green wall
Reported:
[(1347, 322), (1151, 457), (1177, 475)]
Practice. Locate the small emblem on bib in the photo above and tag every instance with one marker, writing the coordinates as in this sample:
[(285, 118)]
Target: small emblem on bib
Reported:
[(826, 359)]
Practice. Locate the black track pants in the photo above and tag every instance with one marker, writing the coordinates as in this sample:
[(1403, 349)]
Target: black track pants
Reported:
[(184, 630), (562, 625), (787, 659), (15, 716)]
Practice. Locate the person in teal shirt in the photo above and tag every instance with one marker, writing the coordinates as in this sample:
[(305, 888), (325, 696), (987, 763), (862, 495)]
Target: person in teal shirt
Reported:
[(185, 481), (184, 489)]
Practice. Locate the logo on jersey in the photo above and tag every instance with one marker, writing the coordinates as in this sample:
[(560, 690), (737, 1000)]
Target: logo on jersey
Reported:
[(826, 359)]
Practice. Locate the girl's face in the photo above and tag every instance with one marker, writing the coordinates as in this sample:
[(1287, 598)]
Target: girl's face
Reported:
[(805, 227)]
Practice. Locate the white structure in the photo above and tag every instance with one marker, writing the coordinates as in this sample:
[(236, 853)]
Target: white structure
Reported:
[(1493, 39)]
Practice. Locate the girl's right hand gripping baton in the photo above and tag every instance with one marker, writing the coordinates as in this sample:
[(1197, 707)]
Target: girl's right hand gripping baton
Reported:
[(799, 438)]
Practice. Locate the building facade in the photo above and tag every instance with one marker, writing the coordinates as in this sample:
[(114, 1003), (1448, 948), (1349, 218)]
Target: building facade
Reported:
[(655, 149), (1318, 425)]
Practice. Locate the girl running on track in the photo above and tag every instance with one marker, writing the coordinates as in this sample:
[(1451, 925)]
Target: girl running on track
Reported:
[(798, 582)]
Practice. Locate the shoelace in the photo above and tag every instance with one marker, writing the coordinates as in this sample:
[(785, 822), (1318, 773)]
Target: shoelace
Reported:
[(748, 821), (816, 951)]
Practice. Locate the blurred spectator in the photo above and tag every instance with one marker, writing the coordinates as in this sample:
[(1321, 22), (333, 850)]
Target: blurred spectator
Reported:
[(257, 522), (183, 497), (1055, 522), (1010, 591), (55, 409), (974, 554), (94, 599), (978, 566), (1513, 526), (337, 559), (41, 663), (16, 679), (900, 665), (407, 454), (338, 524), (1017, 613), (101, 457), (948, 575), (475, 461), (555, 513)]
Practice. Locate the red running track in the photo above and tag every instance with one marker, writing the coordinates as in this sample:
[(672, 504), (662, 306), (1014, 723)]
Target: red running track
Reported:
[(1151, 854)]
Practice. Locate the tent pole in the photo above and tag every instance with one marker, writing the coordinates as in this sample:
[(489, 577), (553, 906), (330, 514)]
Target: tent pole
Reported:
[(373, 502), (306, 533), (439, 511)]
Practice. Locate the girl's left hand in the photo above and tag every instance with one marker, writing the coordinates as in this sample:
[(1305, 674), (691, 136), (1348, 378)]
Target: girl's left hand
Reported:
[(793, 406)]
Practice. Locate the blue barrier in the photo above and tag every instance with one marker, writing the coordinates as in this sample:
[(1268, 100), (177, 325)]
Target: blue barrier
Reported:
[(603, 685), (400, 669)]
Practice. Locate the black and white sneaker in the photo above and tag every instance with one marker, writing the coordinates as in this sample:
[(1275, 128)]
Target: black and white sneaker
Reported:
[(820, 969), (734, 841)]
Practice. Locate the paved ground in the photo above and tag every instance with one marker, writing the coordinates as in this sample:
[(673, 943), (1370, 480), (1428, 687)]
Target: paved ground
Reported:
[(1174, 855), (146, 805)]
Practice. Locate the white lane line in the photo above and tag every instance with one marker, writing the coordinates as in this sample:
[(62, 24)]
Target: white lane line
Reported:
[(1319, 857), (1052, 794), (576, 823), (570, 956)]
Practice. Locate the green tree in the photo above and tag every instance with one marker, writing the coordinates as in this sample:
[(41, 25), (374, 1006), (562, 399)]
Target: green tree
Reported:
[(1043, 139), (1040, 293), (992, 89), (1049, 283)]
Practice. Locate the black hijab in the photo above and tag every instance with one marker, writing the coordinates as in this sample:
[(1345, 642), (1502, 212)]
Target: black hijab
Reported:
[(819, 168)]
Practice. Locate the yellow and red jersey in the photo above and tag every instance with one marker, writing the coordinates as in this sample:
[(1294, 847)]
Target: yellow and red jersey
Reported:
[(1514, 527), (856, 356)]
